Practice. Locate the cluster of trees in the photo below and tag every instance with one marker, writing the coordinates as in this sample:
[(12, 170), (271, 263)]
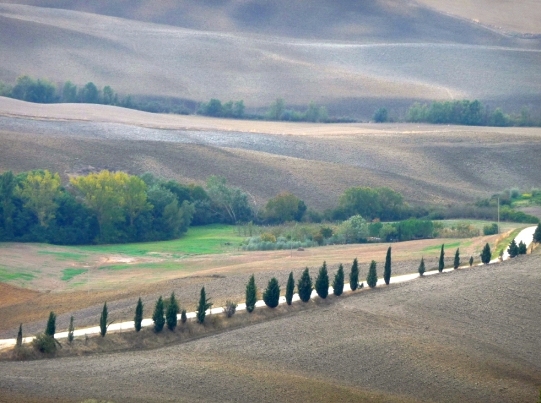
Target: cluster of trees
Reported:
[(111, 207), (314, 113), (466, 112), (215, 108)]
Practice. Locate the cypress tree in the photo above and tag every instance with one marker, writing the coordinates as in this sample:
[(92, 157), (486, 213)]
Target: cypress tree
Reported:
[(290, 288), (322, 282), (204, 304), (422, 267), (19, 342), (456, 262), (471, 261), (183, 316), (522, 248), (441, 263), (354, 275), (171, 313), (271, 296), (537, 234), (372, 277), (157, 316), (251, 294), (103, 320), (305, 286), (338, 283), (138, 318), (50, 330), (486, 254), (71, 328), (513, 249), (387, 271)]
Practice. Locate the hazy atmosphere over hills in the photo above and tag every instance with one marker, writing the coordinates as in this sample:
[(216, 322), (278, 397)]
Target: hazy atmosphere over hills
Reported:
[(350, 56)]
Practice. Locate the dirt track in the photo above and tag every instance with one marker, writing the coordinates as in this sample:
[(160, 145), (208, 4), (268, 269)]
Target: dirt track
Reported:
[(470, 335)]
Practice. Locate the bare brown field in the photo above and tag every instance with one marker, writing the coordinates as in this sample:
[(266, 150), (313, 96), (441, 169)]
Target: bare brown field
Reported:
[(317, 162), (446, 338)]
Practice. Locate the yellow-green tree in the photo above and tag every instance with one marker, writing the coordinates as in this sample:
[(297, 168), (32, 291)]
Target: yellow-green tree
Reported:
[(112, 196), (39, 191)]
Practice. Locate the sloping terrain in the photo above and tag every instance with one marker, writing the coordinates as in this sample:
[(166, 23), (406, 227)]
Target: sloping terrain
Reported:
[(317, 162), (351, 60), (470, 335)]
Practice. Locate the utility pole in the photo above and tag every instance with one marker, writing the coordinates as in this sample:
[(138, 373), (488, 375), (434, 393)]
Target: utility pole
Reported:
[(498, 215)]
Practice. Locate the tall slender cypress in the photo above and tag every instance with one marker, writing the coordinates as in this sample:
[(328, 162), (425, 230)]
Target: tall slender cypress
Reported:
[(204, 304), (338, 283), (103, 320), (372, 277), (19, 342), (537, 234), (354, 275), (171, 313), (157, 316), (322, 282), (50, 330), (513, 249), (441, 263), (486, 254), (387, 271), (456, 262), (471, 261), (305, 286), (138, 318), (290, 288), (251, 294)]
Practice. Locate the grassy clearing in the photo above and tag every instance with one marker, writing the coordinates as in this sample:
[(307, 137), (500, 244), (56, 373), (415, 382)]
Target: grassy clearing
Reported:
[(6, 275), (64, 255), (209, 239), (68, 274), (503, 244)]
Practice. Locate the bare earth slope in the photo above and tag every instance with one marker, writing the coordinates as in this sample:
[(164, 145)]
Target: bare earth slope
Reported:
[(350, 59), (470, 336), (317, 162)]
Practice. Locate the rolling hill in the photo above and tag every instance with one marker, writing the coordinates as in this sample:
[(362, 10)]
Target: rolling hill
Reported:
[(351, 58)]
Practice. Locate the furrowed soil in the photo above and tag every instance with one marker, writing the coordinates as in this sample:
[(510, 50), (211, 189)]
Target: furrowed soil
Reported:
[(470, 335)]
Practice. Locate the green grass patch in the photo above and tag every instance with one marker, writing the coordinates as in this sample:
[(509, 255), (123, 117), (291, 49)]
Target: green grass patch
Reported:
[(453, 245), (63, 255), (68, 274), (166, 265), (6, 275), (503, 244), (210, 239)]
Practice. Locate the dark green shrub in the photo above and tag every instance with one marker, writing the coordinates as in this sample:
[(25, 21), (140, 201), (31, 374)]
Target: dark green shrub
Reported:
[(522, 248), (271, 296), (322, 282), (50, 330), (290, 288), (537, 234), (372, 277), (19, 342), (422, 268), (71, 328), (44, 344), (230, 308), (490, 229), (338, 283), (251, 294), (471, 261), (513, 249), (305, 286), (183, 316)]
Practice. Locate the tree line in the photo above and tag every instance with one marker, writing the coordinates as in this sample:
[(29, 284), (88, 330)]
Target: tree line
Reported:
[(166, 311), (460, 112)]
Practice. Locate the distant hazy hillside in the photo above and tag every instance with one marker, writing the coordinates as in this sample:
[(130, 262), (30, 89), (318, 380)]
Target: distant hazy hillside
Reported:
[(350, 56)]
